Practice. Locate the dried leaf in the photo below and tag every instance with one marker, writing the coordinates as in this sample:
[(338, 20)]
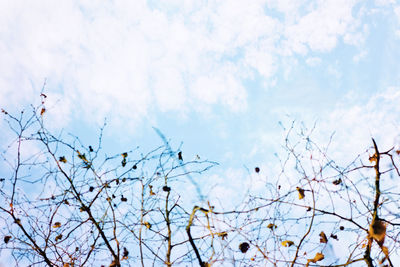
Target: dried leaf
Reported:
[(271, 226), (337, 182), (147, 224), (318, 257), (124, 155), (180, 155), (377, 230), (62, 159), (287, 243), (323, 238), (7, 239), (42, 111), (223, 235), (125, 254), (57, 225), (59, 237), (301, 192)]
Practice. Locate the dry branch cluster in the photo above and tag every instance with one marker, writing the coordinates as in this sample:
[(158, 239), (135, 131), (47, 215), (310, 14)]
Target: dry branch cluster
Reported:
[(65, 203)]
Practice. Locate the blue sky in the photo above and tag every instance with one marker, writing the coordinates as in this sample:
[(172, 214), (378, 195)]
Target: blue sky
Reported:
[(218, 76)]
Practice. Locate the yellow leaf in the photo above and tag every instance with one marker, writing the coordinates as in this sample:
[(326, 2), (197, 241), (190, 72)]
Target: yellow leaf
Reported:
[(287, 243), (377, 230), (147, 224), (301, 192), (57, 225), (223, 235), (323, 238), (271, 226), (318, 257), (59, 237)]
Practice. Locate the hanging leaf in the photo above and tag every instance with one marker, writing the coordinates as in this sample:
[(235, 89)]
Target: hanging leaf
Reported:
[(82, 156), (147, 224), (124, 155), (287, 243), (125, 254), (57, 225), (372, 158), (7, 239), (337, 182), (42, 111), (271, 226), (151, 190), (377, 230), (301, 192), (323, 238), (59, 237), (62, 159), (318, 257), (244, 247), (223, 235)]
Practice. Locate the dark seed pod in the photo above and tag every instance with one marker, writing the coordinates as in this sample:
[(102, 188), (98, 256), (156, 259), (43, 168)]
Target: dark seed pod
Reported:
[(244, 247), (166, 188)]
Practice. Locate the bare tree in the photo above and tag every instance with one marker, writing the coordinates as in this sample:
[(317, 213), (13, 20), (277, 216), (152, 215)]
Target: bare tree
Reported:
[(65, 203)]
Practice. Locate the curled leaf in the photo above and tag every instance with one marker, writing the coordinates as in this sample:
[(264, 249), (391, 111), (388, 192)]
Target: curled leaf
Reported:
[(57, 225), (147, 224), (151, 190), (223, 235), (59, 237), (287, 243), (124, 155), (323, 238), (301, 192), (271, 226), (318, 257), (377, 230), (337, 182), (125, 254), (62, 159), (7, 239)]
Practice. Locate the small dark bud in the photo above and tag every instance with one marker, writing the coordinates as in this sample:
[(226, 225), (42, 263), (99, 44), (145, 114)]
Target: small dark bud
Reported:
[(166, 188), (244, 247)]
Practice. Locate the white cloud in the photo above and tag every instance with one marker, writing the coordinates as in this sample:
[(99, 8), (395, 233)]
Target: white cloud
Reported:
[(313, 61), (356, 123), (135, 59)]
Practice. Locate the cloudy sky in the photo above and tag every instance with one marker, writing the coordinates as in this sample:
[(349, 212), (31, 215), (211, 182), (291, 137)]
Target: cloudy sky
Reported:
[(225, 78), (220, 76)]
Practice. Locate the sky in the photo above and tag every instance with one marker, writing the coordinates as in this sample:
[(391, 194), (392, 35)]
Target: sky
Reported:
[(224, 78)]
